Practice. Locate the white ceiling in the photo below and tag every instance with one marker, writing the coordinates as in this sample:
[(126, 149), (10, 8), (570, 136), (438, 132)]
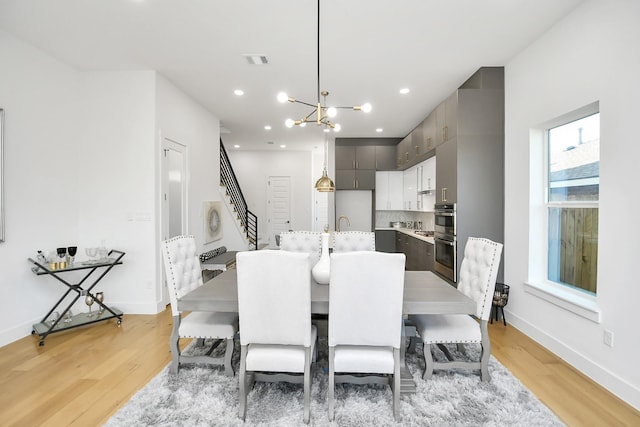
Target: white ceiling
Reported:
[(369, 49)]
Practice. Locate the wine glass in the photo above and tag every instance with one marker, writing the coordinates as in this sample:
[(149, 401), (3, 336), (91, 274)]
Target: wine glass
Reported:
[(62, 253), (91, 253), (102, 253), (89, 301), (72, 250), (100, 299)]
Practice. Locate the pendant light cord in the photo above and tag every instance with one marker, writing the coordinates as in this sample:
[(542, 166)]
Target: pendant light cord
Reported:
[(318, 51)]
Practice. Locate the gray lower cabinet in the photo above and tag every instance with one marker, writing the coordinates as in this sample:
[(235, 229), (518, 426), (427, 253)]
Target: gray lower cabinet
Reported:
[(386, 241), (419, 253)]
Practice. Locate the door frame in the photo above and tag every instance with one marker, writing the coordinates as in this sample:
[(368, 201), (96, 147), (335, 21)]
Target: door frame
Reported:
[(166, 145)]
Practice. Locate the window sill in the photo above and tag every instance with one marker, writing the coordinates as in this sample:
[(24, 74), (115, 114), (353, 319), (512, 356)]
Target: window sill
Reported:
[(582, 305)]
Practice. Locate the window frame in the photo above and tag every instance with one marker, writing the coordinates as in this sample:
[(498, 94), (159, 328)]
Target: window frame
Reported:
[(573, 299)]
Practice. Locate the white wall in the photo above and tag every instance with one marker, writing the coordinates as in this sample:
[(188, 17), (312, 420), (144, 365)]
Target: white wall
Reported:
[(115, 181), (589, 56), (82, 166), (253, 169), (39, 96), (77, 149), (182, 120)]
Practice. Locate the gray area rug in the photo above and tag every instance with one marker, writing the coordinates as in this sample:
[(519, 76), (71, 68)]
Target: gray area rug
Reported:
[(203, 396)]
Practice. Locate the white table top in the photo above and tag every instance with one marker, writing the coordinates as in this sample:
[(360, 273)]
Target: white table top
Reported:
[(424, 293)]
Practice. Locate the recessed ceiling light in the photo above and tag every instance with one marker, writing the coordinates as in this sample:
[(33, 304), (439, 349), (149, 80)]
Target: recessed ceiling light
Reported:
[(404, 90), (236, 146), (267, 127), (239, 92), (256, 59), (379, 130), (283, 146)]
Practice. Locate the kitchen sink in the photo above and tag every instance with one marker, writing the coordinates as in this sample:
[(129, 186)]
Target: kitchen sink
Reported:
[(424, 233)]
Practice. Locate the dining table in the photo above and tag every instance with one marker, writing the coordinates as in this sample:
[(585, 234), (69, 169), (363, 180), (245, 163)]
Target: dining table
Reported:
[(424, 293)]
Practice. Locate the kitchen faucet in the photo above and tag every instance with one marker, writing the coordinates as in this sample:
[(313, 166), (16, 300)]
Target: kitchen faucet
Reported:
[(340, 218)]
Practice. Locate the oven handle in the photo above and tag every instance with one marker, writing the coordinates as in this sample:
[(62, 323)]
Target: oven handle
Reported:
[(446, 242), (444, 213)]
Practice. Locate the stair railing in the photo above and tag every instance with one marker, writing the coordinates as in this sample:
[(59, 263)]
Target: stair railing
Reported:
[(248, 220)]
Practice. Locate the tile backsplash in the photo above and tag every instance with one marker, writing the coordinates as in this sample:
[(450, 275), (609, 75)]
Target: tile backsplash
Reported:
[(383, 218)]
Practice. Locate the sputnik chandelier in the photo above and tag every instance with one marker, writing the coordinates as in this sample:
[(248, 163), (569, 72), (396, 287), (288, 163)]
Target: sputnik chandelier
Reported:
[(321, 114)]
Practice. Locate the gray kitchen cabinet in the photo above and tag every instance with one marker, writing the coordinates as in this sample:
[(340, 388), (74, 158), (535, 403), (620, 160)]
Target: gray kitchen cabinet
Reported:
[(429, 133), (446, 172), (470, 163), (447, 119), (418, 145), (355, 179), (359, 157), (355, 167), (345, 158), (386, 241), (402, 246), (385, 157), (418, 253), (403, 151)]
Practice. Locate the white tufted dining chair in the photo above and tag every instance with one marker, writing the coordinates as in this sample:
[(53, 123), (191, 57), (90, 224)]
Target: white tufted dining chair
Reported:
[(183, 273), (477, 280), (303, 241), (365, 319), (276, 334), (349, 241)]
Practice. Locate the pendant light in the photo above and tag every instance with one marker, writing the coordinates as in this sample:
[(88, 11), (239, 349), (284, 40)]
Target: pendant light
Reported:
[(324, 184)]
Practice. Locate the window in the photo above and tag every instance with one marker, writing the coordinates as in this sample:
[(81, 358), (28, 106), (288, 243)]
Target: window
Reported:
[(573, 183)]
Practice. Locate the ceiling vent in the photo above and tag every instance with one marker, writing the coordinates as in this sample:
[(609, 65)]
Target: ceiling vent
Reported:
[(256, 59)]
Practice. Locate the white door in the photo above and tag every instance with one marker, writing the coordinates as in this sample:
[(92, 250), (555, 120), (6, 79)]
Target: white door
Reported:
[(279, 206)]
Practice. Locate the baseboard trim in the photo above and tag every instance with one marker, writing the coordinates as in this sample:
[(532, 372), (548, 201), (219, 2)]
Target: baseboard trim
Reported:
[(605, 378), (24, 329)]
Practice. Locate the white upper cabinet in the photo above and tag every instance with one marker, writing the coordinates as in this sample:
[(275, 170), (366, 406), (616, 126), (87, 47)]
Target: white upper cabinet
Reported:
[(389, 192), (427, 180), (410, 180)]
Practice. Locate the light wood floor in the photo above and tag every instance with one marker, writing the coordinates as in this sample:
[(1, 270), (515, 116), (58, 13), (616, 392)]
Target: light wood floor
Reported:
[(81, 377)]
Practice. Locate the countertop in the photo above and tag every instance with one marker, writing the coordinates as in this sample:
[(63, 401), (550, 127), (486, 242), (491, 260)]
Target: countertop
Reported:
[(409, 231)]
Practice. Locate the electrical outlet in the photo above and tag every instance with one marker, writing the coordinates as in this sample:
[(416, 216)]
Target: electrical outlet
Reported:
[(608, 338)]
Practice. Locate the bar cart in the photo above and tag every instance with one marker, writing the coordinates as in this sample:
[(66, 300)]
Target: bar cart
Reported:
[(63, 321)]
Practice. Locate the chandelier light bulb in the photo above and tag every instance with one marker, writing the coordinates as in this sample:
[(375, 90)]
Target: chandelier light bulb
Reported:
[(366, 107), (282, 97), (332, 111), (289, 123), (337, 127)]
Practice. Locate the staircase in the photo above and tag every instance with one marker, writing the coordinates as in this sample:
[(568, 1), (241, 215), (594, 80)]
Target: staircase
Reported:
[(248, 220)]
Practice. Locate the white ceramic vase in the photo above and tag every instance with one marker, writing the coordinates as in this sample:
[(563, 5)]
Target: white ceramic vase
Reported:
[(320, 271)]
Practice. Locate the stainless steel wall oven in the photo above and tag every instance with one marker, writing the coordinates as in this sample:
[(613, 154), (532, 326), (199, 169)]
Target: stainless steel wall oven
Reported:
[(445, 241)]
